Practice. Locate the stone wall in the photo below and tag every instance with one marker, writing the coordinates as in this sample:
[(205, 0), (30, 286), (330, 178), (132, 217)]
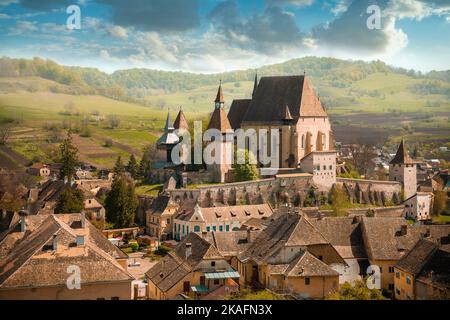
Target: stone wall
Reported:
[(372, 191)]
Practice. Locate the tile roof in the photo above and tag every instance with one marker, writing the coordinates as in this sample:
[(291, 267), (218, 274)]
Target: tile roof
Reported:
[(219, 96), (384, 239), (32, 262), (175, 266), (306, 265), (274, 93), (402, 156), (344, 234), (229, 213), (287, 230), (417, 257), (237, 112), (180, 121), (219, 120)]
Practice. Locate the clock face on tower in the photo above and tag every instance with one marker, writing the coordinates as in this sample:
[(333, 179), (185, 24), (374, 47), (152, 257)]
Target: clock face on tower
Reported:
[(218, 105)]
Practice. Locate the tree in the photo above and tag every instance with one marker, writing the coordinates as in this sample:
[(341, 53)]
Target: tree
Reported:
[(70, 201), (357, 291), (121, 203), (132, 167), (148, 158), (69, 157), (440, 202), (118, 166), (362, 158), (248, 170), (339, 200), (113, 120)]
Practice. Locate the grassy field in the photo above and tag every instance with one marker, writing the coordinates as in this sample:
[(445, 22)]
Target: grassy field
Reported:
[(377, 110)]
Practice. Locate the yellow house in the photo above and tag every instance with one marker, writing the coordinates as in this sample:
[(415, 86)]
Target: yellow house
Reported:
[(159, 218), (424, 272), (61, 257), (387, 240), (194, 268), (291, 256)]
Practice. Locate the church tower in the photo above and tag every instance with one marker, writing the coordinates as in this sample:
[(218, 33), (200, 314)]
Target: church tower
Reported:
[(403, 169), (167, 141), (219, 121)]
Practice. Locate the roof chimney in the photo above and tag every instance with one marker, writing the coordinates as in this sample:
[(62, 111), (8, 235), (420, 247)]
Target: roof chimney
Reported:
[(55, 242), (188, 249)]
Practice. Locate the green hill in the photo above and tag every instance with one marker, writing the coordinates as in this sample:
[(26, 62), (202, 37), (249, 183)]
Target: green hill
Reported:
[(369, 102)]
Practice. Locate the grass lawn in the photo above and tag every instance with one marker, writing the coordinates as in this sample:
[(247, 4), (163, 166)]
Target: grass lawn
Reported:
[(441, 219), (149, 190)]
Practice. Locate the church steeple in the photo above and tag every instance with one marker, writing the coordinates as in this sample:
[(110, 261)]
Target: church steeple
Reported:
[(220, 101), (255, 85)]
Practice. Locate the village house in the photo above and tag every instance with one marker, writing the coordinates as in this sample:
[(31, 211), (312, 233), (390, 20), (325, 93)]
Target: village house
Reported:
[(195, 268), (159, 217), (291, 256), (221, 219), (92, 205), (39, 254), (387, 240), (40, 170), (419, 206), (424, 272)]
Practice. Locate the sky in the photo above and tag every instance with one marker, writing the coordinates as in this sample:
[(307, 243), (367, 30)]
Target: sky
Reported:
[(208, 36)]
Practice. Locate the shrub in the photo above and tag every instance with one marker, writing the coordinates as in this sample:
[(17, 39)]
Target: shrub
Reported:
[(134, 246)]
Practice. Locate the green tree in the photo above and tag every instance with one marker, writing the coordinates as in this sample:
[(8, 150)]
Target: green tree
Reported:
[(121, 203), (70, 201), (132, 167), (339, 200), (248, 170), (118, 166), (69, 157), (357, 291), (147, 161)]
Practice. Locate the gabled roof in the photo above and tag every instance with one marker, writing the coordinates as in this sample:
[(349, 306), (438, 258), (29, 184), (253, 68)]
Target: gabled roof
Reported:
[(344, 234), (287, 230), (237, 112), (417, 257), (219, 120), (274, 93), (181, 122), (402, 156), (175, 266), (385, 241), (32, 262), (306, 265)]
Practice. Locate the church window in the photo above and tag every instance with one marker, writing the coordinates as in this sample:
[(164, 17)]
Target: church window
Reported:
[(303, 141), (196, 228)]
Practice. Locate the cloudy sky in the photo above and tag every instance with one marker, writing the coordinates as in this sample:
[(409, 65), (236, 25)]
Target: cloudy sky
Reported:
[(223, 35)]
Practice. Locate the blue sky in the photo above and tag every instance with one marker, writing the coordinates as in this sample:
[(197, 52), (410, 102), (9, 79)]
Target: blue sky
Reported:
[(223, 35)]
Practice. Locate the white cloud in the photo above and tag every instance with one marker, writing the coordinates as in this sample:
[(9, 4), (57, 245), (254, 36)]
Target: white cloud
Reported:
[(411, 9), (158, 48), (118, 32), (4, 16)]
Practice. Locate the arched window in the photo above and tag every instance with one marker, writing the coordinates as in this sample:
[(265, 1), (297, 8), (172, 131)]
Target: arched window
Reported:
[(196, 228), (303, 141)]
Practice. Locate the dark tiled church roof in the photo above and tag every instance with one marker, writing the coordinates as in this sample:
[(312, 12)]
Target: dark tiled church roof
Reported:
[(274, 93), (402, 156), (237, 112)]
